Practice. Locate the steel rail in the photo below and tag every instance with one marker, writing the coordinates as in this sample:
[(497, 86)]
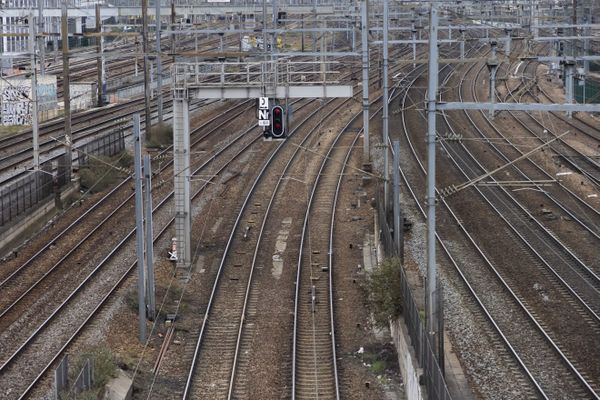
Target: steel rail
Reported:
[(57, 149), (134, 263), (578, 199), (513, 352), (58, 123), (189, 383), (589, 161), (165, 199), (215, 287), (305, 228), (260, 234), (554, 346), (592, 279), (101, 224)]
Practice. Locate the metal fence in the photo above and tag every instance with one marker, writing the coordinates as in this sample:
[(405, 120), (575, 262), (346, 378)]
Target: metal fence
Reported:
[(109, 144), (434, 378), (83, 381), (20, 197)]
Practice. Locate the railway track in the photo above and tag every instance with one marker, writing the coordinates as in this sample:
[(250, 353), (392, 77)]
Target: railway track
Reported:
[(219, 336), (30, 343), (230, 332), (572, 150), (314, 364), (15, 150), (582, 387), (71, 308)]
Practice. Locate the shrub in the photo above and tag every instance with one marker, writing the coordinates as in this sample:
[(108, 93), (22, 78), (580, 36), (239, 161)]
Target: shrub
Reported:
[(101, 172), (161, 135), (384, 292), (105, 367)]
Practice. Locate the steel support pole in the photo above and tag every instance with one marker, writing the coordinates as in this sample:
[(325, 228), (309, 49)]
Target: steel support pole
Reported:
[(413, 36), (586, 44), (100, 61), (302, 27), (181, 162), (353, 39), (365, 79), (41, 40), (314, 25), (34, 97), (396, 198), (173, 39), (275, 10), (569, 88), (149, 238), (492, 65), (147, 115), (431, 300), (386, 168), (159, 97), (139, 225), (66, 86)]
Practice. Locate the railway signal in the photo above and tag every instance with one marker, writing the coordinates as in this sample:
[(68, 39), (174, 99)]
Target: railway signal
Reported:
[(277, 123)]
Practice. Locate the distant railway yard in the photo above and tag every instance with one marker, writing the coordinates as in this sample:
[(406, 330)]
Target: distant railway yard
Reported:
[(292, 252)]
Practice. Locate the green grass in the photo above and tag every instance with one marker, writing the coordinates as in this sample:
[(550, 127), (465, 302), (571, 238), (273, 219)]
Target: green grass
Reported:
[(11, 130), (378, 367)]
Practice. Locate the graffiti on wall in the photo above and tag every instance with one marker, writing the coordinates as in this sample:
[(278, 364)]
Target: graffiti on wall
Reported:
[(82, 95), (15, 107), (46, 92), (15, 99)]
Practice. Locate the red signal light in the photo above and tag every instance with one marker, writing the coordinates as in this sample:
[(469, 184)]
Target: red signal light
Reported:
[(277, 123)]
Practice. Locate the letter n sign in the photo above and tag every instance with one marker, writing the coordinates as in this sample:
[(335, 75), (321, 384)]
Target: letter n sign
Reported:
[(263, 112)]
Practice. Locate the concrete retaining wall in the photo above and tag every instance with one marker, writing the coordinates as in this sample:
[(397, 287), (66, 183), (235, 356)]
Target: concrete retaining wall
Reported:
[(408, 361)]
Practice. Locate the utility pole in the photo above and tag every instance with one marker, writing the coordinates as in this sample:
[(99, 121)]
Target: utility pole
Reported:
[(172, 29), (386, 169), (398, 225), (100, 62), (147, 116), (149, 239), (431, 299), (365, 78), (34, 99), (159, 99), (574, 29), (492, 65), (302, 28), (139, 225), (41, 42), (66, 87)]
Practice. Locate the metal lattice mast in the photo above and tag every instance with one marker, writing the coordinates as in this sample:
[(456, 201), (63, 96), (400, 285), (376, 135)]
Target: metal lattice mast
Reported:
[(34, 97), (365, 78), (386, 168), (159, 97), (181, 162)]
